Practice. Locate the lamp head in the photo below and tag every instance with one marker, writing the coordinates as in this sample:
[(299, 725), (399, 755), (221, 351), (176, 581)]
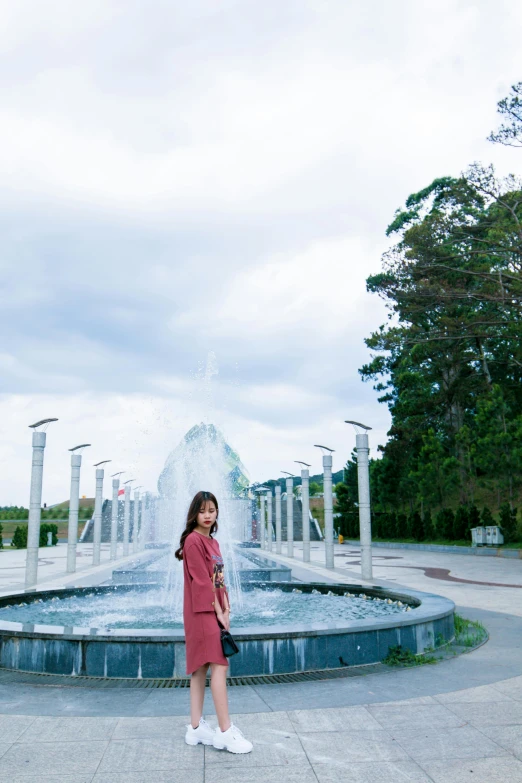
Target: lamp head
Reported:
[(42, 423)]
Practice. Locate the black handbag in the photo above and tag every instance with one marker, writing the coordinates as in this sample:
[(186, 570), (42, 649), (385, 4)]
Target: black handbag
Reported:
[(227, 643)]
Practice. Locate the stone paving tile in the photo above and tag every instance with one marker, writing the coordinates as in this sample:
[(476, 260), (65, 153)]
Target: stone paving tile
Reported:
[(372, 772), (277, 774), (158, 776), (51, 758), (49, 779), (13, 726), (502, 713), (48, 729), (161, 753), (511, 688), (473, 695), (492, 770), (341, 719), (345, 747), (508, 737), (415, 717), (462, 743), (405, 702), (272, 747), (4, 747), (166, 726), (261, 721)]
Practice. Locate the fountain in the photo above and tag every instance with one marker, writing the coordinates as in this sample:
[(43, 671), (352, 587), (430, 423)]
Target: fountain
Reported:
[(132, 626)]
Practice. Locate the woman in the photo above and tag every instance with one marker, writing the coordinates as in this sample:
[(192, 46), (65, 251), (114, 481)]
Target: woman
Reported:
[(205, 607)]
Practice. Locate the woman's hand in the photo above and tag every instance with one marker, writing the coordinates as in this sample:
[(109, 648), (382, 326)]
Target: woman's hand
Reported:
[(223, 615)]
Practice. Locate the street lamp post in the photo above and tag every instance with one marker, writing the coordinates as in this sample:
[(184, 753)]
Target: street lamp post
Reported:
[(363, 483), (126, 517), (136, 518), (305, 507), (35, 502), (114, 514), (328, 505), (143, 527), (262, 520), (74, 504), (289, 513), (269, 519), (98, 505), (278, 518)]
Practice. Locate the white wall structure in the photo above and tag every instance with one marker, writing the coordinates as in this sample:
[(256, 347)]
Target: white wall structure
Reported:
[(269, 520), (290, 516), (74, 503), (126, 520), (328, 510), (305, 501), (98, 504), (35, 506), (262, 520), (114, 518), (365, 522), (135, 526), (278, 518)]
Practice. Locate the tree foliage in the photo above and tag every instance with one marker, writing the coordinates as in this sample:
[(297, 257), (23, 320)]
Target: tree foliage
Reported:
[(448, 361)]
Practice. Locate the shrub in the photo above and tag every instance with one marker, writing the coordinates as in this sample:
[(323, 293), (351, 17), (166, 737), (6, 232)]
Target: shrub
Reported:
[(417, 526), (48, 527), (444, 522), (508, 523), (429, 531), (19, 540), (1, 539), (401, 526), (486, 517), (461, 523)]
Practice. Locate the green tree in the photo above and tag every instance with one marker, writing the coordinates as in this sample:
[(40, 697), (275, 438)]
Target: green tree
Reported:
[(314, 488)]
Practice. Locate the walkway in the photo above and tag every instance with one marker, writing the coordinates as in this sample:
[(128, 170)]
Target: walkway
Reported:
[(457, 721)]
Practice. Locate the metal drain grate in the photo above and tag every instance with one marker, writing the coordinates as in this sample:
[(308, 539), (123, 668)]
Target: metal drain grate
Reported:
[(38, 678)]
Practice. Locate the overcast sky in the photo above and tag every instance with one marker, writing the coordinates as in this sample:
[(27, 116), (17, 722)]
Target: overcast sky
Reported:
[(179, 178)]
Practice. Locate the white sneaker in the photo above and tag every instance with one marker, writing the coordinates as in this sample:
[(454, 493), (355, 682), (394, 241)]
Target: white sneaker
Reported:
[(232, 740), (204, 734)]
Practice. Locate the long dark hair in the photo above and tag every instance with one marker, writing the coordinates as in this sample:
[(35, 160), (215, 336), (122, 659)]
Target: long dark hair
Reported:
[(192, 518)]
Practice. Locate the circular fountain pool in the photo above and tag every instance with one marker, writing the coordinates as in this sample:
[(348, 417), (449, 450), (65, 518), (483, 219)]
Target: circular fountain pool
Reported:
[(125, 631)]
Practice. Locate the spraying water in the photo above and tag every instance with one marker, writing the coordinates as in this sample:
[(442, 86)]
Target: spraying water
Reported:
[(202, 461)]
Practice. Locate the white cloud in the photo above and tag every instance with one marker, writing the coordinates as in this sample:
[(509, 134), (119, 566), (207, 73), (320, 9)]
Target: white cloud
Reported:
[(179, 177)]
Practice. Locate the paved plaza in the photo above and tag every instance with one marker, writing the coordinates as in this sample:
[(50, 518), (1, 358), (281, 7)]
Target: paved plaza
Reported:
[(456, 721)]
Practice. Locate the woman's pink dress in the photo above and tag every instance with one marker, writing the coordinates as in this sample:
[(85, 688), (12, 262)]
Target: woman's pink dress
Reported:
[(204, 584)]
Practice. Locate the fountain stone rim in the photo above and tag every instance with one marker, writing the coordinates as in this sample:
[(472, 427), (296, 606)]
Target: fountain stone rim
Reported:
[(426, 607)]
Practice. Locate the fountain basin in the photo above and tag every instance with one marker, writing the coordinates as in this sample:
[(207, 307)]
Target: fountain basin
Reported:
[(271, 649)]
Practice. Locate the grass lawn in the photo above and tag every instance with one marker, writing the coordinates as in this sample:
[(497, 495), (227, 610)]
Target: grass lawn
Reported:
[(439, 542)]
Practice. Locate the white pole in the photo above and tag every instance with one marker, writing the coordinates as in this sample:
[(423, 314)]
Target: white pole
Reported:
[(290, 516), (278, 517), (35, 506), (126, 520), (98, 504), (328, 510), (262, 520), (305, 502), (143, 531), (136, 520), (114, 518), (365, 521), (74, 503), (269, 519)]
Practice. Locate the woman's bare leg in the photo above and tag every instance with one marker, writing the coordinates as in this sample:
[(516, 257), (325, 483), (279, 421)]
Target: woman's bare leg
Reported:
[(218, 686), (197, 694)]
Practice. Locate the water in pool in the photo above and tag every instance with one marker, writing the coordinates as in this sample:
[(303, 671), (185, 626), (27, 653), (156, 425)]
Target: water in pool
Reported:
[(148, 609)]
